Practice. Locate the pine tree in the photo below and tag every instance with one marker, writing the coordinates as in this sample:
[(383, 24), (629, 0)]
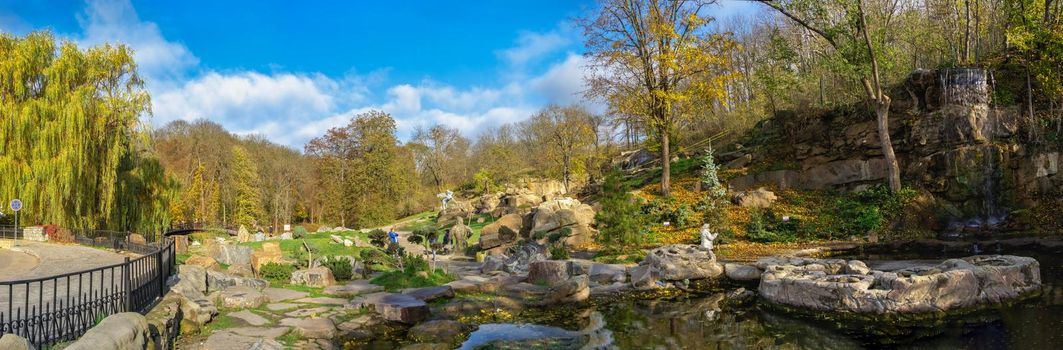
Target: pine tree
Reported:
[(620, 222), (245, 180)]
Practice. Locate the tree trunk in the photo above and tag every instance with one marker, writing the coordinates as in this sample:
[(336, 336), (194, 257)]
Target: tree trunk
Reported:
[(666, 165), (893, 171)]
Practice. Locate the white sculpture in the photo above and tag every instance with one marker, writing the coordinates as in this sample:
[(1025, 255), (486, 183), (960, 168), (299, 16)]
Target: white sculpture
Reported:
[(446, 198), (707, 237)]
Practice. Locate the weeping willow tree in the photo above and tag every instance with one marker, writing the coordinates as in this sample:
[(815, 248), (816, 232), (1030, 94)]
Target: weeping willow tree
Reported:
[(72, 146)]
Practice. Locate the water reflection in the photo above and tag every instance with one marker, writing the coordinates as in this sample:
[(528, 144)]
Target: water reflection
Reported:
[(721, 320)]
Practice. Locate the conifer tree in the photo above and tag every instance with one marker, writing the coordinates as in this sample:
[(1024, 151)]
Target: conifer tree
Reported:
[(245, 180)]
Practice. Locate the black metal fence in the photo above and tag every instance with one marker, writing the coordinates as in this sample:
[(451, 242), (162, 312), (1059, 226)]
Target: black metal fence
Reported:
[(60, 308)]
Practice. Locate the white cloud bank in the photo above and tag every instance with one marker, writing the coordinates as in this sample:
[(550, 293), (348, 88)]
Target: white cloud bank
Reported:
[(292, 107)]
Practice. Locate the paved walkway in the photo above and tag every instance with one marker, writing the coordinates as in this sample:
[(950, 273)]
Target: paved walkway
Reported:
[(15, 263), (51, 260)]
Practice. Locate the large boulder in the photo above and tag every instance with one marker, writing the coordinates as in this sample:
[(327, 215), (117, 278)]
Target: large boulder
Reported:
[(682, 262), (758, 198), (517, 259), (456, 209), (217, 280), (548, 272), (488, 202), (505, 230), (558, 213), (13, 342), (742, 272), (243, 235), (202, 261), (314, 277), (121, 331), (825, 285), (397, 307), (230, 254), (607, 273), (270, 253)]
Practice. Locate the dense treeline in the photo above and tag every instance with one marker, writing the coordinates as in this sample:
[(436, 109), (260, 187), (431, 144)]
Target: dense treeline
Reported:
[(674, 80), (72, 146)]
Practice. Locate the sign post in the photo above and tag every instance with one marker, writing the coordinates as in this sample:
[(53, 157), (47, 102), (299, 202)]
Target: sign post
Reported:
[(16, 205)]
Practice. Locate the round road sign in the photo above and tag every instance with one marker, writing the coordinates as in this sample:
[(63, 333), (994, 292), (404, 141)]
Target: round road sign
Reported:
[(16, 204)]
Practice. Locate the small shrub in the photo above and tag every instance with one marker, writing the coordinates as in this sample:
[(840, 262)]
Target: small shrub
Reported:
[(415, 239), (276, 272), (340, 267), (378, 238), (62, 235), (299, 232), (414, 263), (763, 227), (558, 252), (667, 209), (538, 235), (375, 257)]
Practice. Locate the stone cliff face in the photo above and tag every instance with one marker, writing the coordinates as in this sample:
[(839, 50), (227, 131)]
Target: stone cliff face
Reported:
[(978, 160)]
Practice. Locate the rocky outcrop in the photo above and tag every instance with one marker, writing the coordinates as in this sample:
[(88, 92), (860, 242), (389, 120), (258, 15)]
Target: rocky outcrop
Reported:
[(682, 262), (269, 253), (504, 230), (548, 272), (456, 209), (230, 254), (839, 285), (567, 217), (517, 260), (974, 158)]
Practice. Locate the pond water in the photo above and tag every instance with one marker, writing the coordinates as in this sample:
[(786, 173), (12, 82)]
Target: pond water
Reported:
[(717, 320)]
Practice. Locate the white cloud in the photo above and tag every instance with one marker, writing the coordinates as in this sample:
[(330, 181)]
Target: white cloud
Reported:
[(115, 21), (245, 97), (563, 83), (292, 107), (532, 46)]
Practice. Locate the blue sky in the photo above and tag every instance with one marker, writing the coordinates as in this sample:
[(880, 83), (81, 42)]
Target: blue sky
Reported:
[(291, 72)]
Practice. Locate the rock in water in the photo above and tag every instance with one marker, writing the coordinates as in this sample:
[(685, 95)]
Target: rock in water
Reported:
[(548, 272), (682, 262), (827, 285), (397, 307)]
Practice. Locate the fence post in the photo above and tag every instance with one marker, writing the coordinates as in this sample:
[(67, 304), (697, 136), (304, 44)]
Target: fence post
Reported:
[(127, 281), (158, 272)]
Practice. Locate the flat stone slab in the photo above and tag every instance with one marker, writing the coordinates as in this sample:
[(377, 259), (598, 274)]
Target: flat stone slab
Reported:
[(259, 332), (323, 301), (229, 341), (308, 312), (241, 297), (397, 307), (281, 294), (250, 317), (430, 293), (281, 306), (353, 288), (314, 328)]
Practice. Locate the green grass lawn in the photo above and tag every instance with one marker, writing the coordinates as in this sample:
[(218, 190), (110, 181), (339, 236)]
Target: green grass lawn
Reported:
[(477, 228), (321, 242)]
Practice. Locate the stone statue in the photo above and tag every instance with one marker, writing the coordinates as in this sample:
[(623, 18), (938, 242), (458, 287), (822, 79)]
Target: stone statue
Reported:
[(447, 197), (707, 237)]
